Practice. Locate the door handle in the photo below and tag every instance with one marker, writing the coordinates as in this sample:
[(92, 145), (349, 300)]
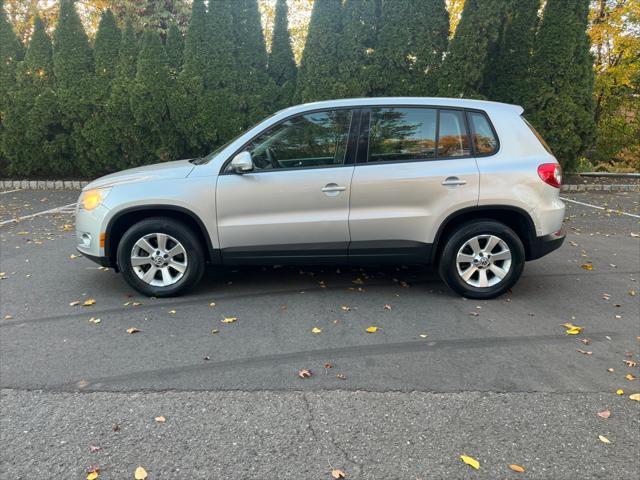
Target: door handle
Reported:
[(332, 187), (453, 182)]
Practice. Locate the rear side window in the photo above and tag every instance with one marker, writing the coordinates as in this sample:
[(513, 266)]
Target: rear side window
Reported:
[(484, 140), (413, 134), (538, 136)]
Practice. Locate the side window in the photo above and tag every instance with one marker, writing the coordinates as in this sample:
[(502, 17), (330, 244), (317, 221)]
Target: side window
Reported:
[(398, 134), (310, 140), (484, 140), (453, 140)]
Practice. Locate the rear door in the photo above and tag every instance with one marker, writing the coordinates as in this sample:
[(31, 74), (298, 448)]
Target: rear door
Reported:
[(415, 166), (295, 203)]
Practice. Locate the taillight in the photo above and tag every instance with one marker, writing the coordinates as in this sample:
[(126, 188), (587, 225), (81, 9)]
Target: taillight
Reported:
[(551, 174)]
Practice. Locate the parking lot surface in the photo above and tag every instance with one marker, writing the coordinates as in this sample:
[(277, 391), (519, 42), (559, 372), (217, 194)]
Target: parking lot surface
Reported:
[(497, 380)]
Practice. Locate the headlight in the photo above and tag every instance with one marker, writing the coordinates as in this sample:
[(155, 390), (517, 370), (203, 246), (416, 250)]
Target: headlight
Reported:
[(91, 199)]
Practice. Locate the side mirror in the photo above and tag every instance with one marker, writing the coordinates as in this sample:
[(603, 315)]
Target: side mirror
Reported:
[(242, 163)]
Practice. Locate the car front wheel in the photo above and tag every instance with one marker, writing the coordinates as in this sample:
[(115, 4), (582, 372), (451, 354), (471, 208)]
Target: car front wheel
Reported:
[(482, 259), (160, 257)]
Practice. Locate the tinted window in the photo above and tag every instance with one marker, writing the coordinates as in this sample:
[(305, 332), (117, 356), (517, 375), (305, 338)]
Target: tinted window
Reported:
[(397, 134), (453, 140), (538, 136), (310, 140), (484, 141)]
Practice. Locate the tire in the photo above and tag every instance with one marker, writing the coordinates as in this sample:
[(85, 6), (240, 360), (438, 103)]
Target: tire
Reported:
[(184, 266), (506, 257)]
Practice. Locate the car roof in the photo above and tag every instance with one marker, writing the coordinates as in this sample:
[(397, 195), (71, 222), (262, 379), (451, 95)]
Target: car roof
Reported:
[(407, 101)]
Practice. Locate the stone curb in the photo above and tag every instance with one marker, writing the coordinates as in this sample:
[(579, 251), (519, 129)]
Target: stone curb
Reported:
[(78, 184)]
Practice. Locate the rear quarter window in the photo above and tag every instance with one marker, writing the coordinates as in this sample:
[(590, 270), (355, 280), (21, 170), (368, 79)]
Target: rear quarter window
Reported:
[(484, 138), (538, 136)]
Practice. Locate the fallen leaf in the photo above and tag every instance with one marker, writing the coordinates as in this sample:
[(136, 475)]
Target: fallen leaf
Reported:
[(572, 329), (604, 414), (341, 376), (635, 396), (587, 266), (604, 439), (212, 304), (630, 377), (610, 370), (8, 317), (74, 303), (423, 335), (304, 373), (336, 473), (328, 366), (160, 419), (229, 319), (88, 303), (345, 308), (214, 331), (94, 320), (586, 341), (316, 330), (516, 468), (140, 474), (584, 352), (132, 330), (619, 392), (136, 304), (470, 461), (386, 306), (93, 474), (630, 363), (474, 314), (172, 312), (372, 329), (94, 448)]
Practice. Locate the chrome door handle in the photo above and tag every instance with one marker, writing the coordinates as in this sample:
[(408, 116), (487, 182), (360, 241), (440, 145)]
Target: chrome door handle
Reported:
[(332, 187), (453, 181)]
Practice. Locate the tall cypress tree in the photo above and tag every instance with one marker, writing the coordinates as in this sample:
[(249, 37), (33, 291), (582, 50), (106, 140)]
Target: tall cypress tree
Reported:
[(318, 77), (73, 68), (462, 72), (282, 65), (174, 47), (31, 139), (97, 128), (507, 66), (358, 44), (254, 87), (412, 38), (560, 104), (149, 101), (124, 133), (11, 52)]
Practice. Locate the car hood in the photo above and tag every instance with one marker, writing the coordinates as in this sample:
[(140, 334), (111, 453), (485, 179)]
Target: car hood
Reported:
[(157, 171)]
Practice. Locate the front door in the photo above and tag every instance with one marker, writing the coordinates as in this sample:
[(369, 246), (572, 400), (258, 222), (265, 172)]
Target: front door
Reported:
[(295, 202), (416, 168)]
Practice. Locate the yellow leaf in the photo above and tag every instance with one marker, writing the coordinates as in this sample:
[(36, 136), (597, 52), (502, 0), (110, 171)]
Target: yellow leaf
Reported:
[(172, 312), (620, 391), (316, 330), (372, 329), (587, 266), (635, 396), (140, 474), (516, 468), (88, 303), (603, 439), (572, 329), (229, 319), (160, 419), (92, 475), (337, 473), (630, 377), (132, 330), (470, 461)]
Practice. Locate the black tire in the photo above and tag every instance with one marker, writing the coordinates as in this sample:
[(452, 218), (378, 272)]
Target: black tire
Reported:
[(183, 234), (448, 269)]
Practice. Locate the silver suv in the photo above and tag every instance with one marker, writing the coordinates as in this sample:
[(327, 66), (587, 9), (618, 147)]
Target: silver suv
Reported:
[(468, 185)]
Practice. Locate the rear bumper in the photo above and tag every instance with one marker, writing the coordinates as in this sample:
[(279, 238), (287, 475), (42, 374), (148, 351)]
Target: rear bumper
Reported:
[(541, 246)]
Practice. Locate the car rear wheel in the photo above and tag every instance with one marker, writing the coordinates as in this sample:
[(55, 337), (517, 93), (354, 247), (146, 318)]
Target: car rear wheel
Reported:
[(482, 259), (160, 257)]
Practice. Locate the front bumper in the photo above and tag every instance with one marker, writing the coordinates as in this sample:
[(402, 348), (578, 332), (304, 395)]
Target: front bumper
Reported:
[(541, 246), (89, 226)]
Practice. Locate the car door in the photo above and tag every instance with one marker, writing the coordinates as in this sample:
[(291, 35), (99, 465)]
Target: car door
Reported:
[(415, 167), (294, 204)]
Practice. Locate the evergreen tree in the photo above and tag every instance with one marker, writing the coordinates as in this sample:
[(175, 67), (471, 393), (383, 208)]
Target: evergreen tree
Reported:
[(463, 69), (282, 65), (358, 44), (254, 88), (124, 134), (318, 77), (73, 69), (11, 51), (507, 66), (97, 129), (560, 105), (174, 47), (32, 141), (149, 105), (412, 38)]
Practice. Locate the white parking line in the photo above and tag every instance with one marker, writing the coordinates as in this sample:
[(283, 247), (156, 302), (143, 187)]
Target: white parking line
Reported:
[(10, 191), (62, 209), (601, 208)]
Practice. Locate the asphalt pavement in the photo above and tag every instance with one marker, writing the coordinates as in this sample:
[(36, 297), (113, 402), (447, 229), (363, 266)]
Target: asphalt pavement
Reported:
[(498, 380)]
